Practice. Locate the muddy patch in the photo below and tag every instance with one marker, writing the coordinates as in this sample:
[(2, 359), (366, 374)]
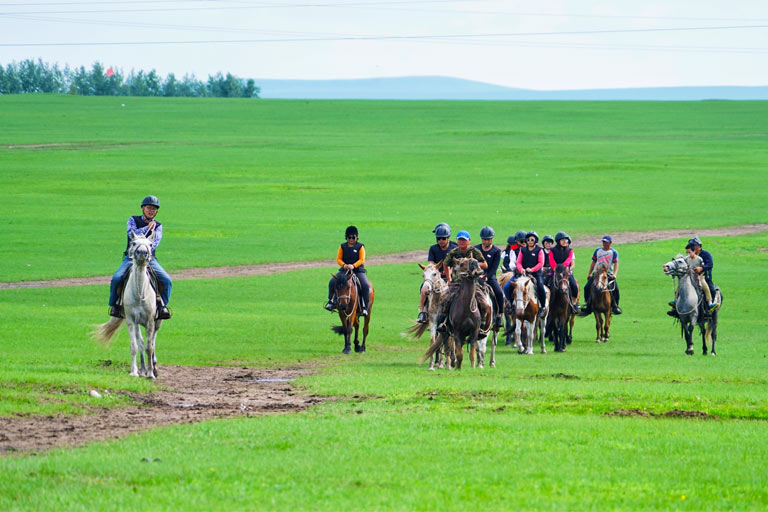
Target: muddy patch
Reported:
[(188, 395), (676, 413)]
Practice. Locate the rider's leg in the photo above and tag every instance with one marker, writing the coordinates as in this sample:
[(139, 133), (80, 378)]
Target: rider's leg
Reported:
[(499, 296), (587, 309), (707, 293), (366, 290), (165, 288), (331, 305), (615, 298), (422, 319), (116, 278), (541, 292), (574, 292)]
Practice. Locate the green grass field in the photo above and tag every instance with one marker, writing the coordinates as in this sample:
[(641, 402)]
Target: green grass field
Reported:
[(518, 436)]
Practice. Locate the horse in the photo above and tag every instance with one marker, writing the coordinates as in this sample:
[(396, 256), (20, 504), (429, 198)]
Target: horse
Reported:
[(600, 295), (463, 315), (139, 301), (509, 318), (349, 304), (689, 306), (560, 307), (435, 288), (527, 321), (488, 329)]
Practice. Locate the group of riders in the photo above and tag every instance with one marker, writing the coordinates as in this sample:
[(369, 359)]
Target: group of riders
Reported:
[(521, 256)]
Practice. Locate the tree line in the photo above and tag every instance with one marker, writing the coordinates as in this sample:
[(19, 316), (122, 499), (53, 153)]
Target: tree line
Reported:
[(29, 76)]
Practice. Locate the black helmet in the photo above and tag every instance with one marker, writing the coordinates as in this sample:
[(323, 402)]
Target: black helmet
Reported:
[(150, 201), (548, 238), (442, 230), (487, 232), (560, 235), (511, 240), (695, 241), (351, 230), (520, 236), (533, 234)]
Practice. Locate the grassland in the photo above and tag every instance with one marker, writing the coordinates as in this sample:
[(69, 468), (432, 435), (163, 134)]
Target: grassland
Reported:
[(519, 436), (245, 182)]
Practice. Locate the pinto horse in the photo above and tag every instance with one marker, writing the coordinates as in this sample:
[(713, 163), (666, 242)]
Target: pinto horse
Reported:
[(527, 319), (560, 307), (349, 305), (600, 295), (463, 315), (435, 288)]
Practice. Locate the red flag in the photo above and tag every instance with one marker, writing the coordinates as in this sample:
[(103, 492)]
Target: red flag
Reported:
[(110, 72)]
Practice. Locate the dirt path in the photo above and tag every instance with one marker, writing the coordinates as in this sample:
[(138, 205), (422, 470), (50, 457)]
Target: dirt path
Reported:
[(192, 394), (626, 237)]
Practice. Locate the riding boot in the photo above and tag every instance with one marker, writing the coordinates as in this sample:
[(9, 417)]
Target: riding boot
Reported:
[(498, 323), (116, 311), (330, 305), (163, 313), (615, 309), (587, 309), (422, 319)]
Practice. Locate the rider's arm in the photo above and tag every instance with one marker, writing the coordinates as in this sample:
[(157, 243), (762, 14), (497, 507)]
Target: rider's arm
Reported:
[(519, 262), (361, 258), (615, 269), (158, 236), (591, 268), (338, 257), (131, 226), (573, 261), (479, 256)]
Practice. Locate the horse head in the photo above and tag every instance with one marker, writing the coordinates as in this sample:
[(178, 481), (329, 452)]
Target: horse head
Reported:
[(601, 277), (344, 289), (140, 248), (523, 291), (560, 278), (678, 267)]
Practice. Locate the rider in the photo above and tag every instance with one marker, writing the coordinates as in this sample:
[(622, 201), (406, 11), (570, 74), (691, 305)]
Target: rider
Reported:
[(509, 254), (436, 254), (702, 263), (464, 250), (492, 255), (563, 254), (531, 260), (546, 245), (610, 257), (351, 256), (143, 225)]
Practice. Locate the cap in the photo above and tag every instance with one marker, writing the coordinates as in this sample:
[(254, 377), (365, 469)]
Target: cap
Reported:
[(607, 238), (463, 234)]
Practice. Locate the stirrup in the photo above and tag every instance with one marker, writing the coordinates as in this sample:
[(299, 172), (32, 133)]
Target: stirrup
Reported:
[(422, 318), (330, 306), (712, 306), (164, 313), (672, 303), (116, 311)]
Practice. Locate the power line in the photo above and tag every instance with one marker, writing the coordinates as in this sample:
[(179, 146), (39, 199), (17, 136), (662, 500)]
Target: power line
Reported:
[(385, 37)]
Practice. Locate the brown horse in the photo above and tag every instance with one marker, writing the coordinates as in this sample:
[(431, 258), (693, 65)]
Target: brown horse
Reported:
[(560, 307), (463, 316), (349, 304), (600, 295)]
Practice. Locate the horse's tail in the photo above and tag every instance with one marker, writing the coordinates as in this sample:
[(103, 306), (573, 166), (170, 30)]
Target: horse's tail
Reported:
[(432, 348), (416, 331), (104, 332)]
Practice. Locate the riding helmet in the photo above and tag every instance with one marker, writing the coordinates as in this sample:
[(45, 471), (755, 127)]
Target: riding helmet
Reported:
[(150, 201), (548, 238), (533, 234), (487, 232), (442, 230), (520, 236), (351, 230), (511, 240), (695, 241), (560, 235)]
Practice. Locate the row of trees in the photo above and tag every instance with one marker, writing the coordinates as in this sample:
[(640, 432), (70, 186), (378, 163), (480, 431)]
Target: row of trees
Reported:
[(29, 76)]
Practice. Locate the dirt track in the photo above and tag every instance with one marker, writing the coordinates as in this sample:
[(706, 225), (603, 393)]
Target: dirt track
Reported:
[(626, 237), (193, 394)]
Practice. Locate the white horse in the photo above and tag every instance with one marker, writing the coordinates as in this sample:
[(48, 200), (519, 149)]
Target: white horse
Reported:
[(434, 286), (139, 302), (688, 305)]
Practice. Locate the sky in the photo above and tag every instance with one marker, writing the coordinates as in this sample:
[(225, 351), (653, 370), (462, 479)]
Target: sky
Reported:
[(550, 45)]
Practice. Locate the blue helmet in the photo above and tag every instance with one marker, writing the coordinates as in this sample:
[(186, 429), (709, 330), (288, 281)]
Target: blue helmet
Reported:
[(695, 241), (463, 234), (150, 201), (487, 232), (520, 236), (511, 240), (533, 234), (561, 235), (547, 238)]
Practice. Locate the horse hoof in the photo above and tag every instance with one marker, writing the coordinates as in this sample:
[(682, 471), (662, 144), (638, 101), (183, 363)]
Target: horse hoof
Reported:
[(713, 354), (689, 352), (493, 365), (357, 348), (346, 350)]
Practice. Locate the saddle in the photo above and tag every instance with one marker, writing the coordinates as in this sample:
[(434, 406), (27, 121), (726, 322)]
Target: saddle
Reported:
[(153, 281)]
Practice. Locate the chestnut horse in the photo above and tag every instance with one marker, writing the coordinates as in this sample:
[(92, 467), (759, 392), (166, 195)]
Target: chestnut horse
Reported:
[(600, 295), (349, 304)]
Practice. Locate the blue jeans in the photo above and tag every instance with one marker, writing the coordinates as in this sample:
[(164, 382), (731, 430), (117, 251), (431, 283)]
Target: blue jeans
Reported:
[(162, 276)]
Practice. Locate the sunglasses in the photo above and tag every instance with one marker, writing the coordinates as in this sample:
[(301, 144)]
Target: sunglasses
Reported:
[(351, 237), (442, 238)]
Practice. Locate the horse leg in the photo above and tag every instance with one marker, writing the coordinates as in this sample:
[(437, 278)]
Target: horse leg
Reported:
[(542, 337), (481, 345), (569, 337), (713, 331), (365, 327), (347, 335), (607, 326), (151, 333), (598, 326), (688, 330), (508, 332), (134, 350), (458, 347), (494, 341), (357, 330), (519, 335)]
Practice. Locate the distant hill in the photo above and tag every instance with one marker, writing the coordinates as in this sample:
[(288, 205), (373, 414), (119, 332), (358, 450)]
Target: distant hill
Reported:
[(446, 88)]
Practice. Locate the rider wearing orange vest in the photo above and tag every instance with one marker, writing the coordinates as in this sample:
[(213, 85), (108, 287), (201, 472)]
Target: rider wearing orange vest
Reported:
[(350, 256)]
